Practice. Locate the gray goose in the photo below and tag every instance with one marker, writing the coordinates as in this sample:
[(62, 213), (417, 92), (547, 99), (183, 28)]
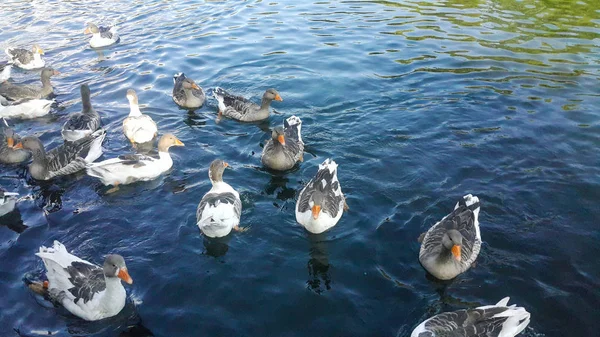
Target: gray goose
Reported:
[(186, 93), (83, 123), (242, 109), (69, 158), (500, 320), (15, 92), (8, 153), (285, 148), (450, 246)]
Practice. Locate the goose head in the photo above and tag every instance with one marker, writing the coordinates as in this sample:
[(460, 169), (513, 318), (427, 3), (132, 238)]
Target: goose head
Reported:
[(114, 266), (452, 241)]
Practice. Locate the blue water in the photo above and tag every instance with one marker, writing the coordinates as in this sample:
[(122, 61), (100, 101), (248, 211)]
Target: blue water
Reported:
[(419, 102)]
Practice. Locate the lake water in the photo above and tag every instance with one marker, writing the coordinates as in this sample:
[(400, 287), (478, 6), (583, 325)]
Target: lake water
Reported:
[(419, 102)]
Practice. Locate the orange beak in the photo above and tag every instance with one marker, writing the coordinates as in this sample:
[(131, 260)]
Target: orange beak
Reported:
[(10, 141), (195, 86), (225, 164), (281, 139), (87, 31), (124, 275), (18, 146), (316, 209), (178, 142), (456, 252), (278, 98), (56, 72)]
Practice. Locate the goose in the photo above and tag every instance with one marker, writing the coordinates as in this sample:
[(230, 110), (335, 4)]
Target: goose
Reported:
[(8, 201), (24, 109), (101, 36), (8, 153), (5, 71), (86, 290), (285, 148), (69, 158), (130, 168), (242, 109), (15, 92), (450, 246), (138, 128), (321, 202), (220, 209), (83, 123), (186, 93), (500, 320), (26, 59)]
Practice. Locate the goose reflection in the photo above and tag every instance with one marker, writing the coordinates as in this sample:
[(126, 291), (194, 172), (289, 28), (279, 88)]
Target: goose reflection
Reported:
[(100, 53), (319, 279), (13, 221), (216, 247), (277, 186)]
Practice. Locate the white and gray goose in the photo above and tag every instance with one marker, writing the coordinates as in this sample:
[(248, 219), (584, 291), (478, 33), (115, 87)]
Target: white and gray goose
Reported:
[(26, 59), (68, 158), (86, 290), (451, 246), (285, 148), (220, 209), (20, 93), (137, 127), (84, 123), (242, 109), (321, 202), (500, 320)]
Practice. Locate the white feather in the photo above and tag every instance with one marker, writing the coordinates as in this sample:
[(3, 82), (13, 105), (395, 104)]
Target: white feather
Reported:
[(30, 109)]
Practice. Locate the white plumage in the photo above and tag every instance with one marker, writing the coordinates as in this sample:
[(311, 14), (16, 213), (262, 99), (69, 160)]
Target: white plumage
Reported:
[(8, 201), (105, 303), (138, 128), (28, 109)]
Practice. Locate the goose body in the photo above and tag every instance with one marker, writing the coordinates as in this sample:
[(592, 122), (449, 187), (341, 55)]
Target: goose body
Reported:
[(101, 36), (8, 200), (26, 59), (285, 148), (500, 320), (242, 109), (321, 203), (16, 92), (450, 247), (130, 168), (8, 153), (68, 158), (84, 123), (220, 209), (5, 71), (138, 128), (186, 93), (24, 109), (86, 290)]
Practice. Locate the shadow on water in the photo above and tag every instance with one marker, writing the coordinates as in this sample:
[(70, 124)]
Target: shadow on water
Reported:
[(277, 185), (319, 278), (13, 221), (216, 247)]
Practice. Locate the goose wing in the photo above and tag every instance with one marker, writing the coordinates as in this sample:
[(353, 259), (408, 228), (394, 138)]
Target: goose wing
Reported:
[(326, 181), (21, 55), (18, 93)]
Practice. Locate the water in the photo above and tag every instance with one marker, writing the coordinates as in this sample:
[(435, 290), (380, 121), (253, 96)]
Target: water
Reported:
[(418, 102)]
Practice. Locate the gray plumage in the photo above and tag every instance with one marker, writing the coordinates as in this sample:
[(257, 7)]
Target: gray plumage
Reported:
[(486, 321), (242, 109), (87, 280), (8, 154), (82, 123), (15, 92), (21, 55), (278, 156), (213, 200), (326, 185), (186, 93), (459, 228), (69, 158)]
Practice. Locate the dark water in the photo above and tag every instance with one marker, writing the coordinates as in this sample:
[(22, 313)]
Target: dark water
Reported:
[(418, 102)]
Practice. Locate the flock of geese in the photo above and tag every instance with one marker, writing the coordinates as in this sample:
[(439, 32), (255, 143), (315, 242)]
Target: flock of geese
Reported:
[(93, 292)]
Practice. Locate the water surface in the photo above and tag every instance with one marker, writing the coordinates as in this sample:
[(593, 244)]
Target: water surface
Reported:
[(419, 102)]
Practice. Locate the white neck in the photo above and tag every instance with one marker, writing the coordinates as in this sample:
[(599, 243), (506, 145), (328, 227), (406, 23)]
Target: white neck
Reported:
[(134, 110), (114, 288), (37, 57)]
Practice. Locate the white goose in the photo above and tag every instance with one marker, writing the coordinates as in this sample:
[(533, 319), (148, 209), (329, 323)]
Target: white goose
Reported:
[(500, 320), (321, 203), (24, 109), (220, 209), (88, 291), (451, 246), (101, 36), (26, 59), (138, 128), (8, 201), (130, 168)]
